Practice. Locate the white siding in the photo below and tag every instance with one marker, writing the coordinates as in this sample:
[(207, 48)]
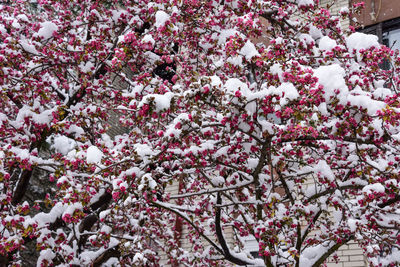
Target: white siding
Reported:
[(335, 6)]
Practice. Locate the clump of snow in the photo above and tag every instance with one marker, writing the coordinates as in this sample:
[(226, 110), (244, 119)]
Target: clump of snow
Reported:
[(148, 39), (276, 69), (325, 170), (232, 85), (143, 150), (147, 181), (352, 224), (311, 254), (46, 255), (47, 29), (63, 144), (305, 2), (382, 92), (105, 229), (236, 60), (86, 67), (315, 32), (332, 78), (93, 155), (366, 102), (327, 43), (2, 29), (104, 214), (15, 24), (306, 38), (44, 117), (173, 130), (162, 102), (43, 218), (138, 257), (215, 81), (278, 41), (226, 34), (360, 40), (30, 48), (217, 180), (75, 130), (161, 18), (249, 51), (23, 17), (377, 187), (286, 91)]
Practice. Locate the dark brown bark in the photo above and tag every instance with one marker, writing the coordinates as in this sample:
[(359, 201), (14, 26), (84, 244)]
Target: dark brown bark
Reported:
[(330, 251), (220, 236), (110, 253), (389, 202), (21, 187)]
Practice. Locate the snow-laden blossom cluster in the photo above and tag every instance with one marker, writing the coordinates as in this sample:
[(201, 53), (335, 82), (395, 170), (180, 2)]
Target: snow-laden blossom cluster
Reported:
[(264, 120)]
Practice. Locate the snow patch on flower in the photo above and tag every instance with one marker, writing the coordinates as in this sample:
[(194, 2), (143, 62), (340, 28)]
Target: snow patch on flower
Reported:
[(306, 38), (327, 43), (360, 40), (63, 144), (143, 150), (47, 30), (286, 91), (233, 85), (226, 34), (377, 187), (352, 224), (86, 67), (323, 168), (148, 39), (2, 29), (46, 255), (93, 155), (161, 18), (305, 2), (364, 101), (249, 51), (69, 211), (162, 102), (332, 78)]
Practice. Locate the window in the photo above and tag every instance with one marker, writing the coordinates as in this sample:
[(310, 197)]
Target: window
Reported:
[(392, 39), (388, 32)]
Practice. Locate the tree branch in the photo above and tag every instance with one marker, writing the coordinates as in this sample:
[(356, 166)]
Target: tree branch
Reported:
[(331, 250), (221, 239), (332, 190), (162, 206), (109, 253), (210, 191), (389, 202)]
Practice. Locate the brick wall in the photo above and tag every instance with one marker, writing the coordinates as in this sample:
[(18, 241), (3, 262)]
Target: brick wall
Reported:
[(349, 255)]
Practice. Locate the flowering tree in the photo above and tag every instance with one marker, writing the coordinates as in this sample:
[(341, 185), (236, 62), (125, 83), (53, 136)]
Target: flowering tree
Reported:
[(292, 142)]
